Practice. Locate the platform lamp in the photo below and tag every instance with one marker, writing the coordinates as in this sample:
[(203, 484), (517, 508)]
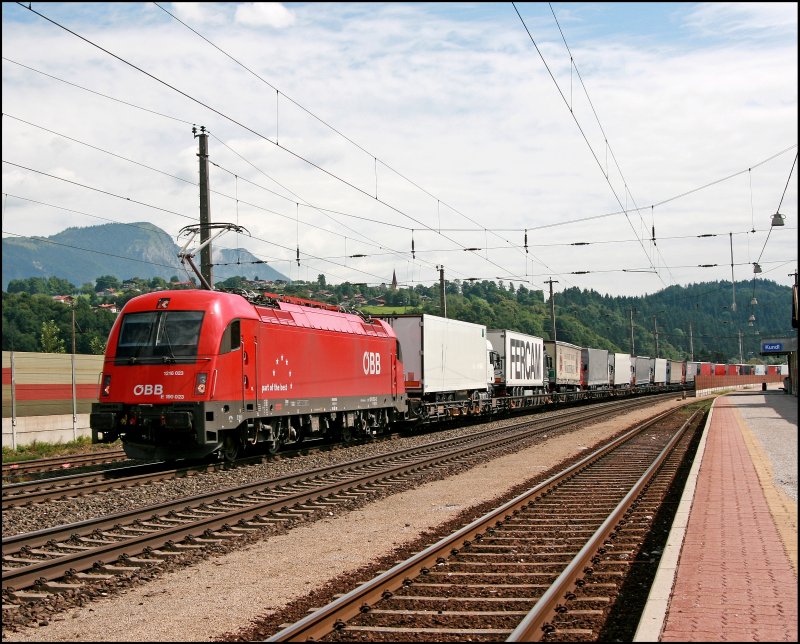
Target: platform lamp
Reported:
[(756, 270), (777, 219)]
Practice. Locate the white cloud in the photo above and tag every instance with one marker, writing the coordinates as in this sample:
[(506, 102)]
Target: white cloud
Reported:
[(743, 18), (264, 14), (199, 13)]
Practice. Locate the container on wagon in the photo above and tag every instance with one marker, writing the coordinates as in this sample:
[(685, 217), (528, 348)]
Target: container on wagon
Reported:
[(442, 355), (659, 367), (676, 372), (694, 369), (564, 365), (620, 370), (520, 365), (643, 370), (594, 368)]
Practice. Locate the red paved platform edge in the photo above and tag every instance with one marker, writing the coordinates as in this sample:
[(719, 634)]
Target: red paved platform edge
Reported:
[(725, 574)]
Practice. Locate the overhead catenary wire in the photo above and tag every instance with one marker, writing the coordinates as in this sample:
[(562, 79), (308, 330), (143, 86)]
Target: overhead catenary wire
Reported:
[(779, 207), (238, 123), (132, 161), (374, 157), (614, 192), (393, 224), (574, 65)]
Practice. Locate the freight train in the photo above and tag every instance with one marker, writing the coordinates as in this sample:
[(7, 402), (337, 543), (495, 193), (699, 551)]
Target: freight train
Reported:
[(192, 373)]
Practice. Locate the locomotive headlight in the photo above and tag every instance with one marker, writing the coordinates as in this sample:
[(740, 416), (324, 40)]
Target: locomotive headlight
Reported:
[(106, 391), (200, 384)]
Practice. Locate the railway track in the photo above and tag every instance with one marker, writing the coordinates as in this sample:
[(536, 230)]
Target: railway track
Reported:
[(55, 488), (20, 469), (547, 565), (68, 557)]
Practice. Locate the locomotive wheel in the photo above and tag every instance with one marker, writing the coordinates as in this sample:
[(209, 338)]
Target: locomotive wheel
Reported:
[(273, 447), (347, 435), (231, 447)]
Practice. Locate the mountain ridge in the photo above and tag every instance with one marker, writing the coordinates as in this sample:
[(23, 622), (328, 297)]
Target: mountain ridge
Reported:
[(140, 249)]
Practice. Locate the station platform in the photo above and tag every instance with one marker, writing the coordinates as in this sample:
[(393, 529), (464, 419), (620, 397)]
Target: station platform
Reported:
[(729, 570)]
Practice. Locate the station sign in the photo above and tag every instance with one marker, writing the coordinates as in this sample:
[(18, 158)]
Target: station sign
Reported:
[(778, 345)]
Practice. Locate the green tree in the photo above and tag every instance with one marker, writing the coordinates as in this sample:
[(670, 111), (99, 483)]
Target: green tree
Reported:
[(107, 281), (50, 340), (233, 282), (45, 286), (97, 346)]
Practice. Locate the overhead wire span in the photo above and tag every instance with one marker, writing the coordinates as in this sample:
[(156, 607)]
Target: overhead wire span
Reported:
[(561, 222), (374, 157)]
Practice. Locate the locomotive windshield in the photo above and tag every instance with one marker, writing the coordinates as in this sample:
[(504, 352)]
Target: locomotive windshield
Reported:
[(165, 336)]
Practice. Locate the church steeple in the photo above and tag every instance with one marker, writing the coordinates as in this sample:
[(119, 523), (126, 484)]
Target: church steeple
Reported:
[(394, 281)]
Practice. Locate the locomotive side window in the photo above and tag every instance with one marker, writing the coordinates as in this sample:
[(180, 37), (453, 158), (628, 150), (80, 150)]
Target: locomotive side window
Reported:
[(232, 338), (159, 334)]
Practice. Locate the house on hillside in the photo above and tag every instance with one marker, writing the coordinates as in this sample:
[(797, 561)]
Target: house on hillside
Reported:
[(64, 299)]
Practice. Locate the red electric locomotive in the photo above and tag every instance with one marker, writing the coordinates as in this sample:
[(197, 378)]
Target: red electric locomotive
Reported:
[(189, 373)]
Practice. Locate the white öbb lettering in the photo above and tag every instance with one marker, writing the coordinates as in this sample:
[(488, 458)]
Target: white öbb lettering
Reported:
[(371, 363), (148, 390)]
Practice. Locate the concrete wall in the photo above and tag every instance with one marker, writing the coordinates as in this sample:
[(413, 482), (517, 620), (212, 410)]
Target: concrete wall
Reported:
[(44, 429)]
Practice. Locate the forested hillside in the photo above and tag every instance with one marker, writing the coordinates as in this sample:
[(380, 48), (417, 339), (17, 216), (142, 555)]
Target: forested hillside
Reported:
[(700, 314)]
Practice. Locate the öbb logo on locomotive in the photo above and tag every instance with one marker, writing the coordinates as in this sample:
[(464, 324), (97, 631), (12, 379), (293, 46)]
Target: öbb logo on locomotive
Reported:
[(148, 390), (372, 363)]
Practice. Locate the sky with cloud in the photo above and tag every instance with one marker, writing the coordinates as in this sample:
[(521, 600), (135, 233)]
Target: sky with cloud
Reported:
[(609, 146)]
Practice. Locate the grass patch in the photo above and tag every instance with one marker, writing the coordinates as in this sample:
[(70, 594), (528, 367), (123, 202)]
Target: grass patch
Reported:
[(38, 449)]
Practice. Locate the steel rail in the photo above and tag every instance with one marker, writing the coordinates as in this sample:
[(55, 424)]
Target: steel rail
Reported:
[(50, 463)]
